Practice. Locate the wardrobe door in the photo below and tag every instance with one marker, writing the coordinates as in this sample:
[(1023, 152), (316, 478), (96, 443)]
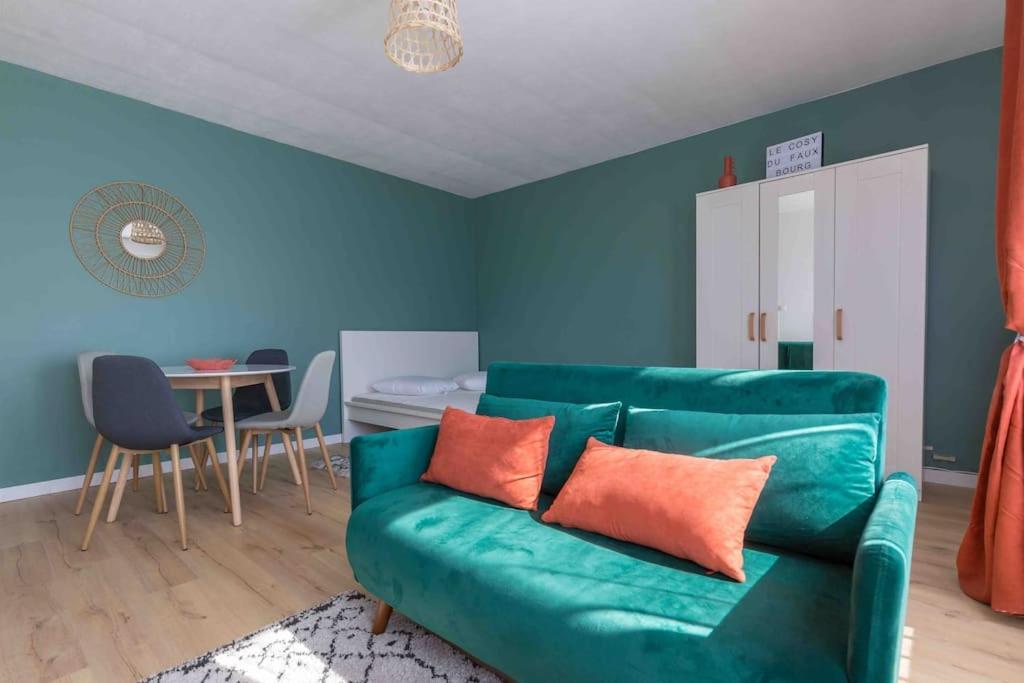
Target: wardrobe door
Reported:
[(797, 259), (881, 227), (727, 278)]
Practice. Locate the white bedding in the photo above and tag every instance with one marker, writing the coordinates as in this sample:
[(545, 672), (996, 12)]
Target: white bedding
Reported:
[(464, 400)]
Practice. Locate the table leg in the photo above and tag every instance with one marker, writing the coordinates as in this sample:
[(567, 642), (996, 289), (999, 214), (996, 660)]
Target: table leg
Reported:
[(229, 439), (268, 384), (215, 463), (199, 465)]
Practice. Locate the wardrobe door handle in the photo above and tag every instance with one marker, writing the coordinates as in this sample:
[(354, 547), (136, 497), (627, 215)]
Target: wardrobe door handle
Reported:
[(839, 324), (750, 327), (764, 327)]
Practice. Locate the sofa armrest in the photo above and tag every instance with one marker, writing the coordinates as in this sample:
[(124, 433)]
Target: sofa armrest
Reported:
[(389, 460), (881, 581)]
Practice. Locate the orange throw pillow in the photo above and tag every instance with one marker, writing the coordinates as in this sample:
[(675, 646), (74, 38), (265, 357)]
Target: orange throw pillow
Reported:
[(493, 457), (693, 508)]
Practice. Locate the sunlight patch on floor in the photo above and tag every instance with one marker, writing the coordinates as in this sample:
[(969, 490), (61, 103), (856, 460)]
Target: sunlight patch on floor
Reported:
[(302, 663)]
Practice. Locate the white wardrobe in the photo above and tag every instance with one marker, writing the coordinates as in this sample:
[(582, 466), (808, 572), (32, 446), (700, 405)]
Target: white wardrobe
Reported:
[(823, 270)]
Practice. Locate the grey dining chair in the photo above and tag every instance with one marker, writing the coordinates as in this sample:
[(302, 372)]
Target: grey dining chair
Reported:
[(306, 412), (253, 400), (85, 385), (85, 361)]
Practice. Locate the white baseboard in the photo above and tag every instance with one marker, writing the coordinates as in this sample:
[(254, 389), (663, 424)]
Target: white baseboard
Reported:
[(935, 475), (42, 488)]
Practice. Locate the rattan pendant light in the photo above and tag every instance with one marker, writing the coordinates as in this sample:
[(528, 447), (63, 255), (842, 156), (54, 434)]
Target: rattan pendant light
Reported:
[(424, 35)]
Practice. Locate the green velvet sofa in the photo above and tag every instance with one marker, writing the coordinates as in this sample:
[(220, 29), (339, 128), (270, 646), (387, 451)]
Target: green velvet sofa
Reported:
[(539, 602)]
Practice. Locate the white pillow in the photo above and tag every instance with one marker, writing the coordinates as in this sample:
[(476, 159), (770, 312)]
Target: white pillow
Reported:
[(414, 385), (472, 381)]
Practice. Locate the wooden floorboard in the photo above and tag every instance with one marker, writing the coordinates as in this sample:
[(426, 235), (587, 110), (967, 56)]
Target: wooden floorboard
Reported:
[(135, 603)]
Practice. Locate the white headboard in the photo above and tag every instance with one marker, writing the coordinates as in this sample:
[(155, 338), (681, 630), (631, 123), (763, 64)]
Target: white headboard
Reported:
[(367, 356)]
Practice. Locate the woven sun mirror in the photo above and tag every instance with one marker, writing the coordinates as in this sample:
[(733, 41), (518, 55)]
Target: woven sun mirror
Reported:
[(137, 239)]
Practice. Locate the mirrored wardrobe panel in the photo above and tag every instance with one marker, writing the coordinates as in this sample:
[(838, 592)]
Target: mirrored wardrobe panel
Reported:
[(796, 271)]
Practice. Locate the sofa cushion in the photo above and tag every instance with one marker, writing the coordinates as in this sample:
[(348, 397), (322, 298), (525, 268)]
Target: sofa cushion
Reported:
[(693, 508), (822, 488), (491, 456), (574, 424), (807, 392), (540, 602)]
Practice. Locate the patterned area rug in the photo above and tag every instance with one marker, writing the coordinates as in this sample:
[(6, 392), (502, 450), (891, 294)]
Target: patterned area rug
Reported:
[(339, 463), (332, 643)]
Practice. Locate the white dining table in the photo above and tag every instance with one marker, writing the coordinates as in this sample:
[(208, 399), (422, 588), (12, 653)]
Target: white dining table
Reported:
[(185, 377)]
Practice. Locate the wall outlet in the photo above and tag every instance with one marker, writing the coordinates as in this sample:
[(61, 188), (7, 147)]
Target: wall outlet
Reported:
[(943, 457)]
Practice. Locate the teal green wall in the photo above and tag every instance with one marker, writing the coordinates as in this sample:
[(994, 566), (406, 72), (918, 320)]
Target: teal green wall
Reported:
[(597, 265), (298, 247)]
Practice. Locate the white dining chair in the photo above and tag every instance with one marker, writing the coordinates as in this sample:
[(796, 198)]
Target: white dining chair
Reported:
[(306, 412), (85, 360)]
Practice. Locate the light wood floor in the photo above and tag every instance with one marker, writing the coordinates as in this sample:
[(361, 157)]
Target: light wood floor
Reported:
[(135, 604)]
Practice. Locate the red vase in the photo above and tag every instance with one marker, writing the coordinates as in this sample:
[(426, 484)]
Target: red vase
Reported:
[(728, 177)]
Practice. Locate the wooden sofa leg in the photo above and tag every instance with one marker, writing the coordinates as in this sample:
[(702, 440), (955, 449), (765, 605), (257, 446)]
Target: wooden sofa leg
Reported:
[(380, 622)]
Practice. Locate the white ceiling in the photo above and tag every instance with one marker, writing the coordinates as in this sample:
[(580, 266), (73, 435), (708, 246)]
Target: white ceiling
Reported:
[(545, 86)]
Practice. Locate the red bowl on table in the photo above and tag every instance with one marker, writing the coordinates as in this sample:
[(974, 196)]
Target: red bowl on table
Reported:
[(208, 364)]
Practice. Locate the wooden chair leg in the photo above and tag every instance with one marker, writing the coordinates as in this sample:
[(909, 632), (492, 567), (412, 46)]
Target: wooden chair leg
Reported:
[(255, 460), (380, 621), (326, 455), (197, 471), (246, 437), (196, 486), (179, 494), (218, 474), (266, 459), (286, 438), (135, 471), (305, 472), (89, 471), (101, 497), (158, 483), (122, 481)]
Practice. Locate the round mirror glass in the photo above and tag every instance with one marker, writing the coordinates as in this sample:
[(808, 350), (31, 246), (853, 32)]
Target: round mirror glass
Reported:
[(143, 239)]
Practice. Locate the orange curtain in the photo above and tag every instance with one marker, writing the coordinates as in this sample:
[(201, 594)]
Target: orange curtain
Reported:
[(991, 558)]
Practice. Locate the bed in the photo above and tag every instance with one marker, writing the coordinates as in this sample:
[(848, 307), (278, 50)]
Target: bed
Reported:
[(369, 356), (399, 412)]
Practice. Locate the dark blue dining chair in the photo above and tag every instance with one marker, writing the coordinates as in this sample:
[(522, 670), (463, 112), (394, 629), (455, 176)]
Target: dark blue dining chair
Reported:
[(134, 409), (253, 400)]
